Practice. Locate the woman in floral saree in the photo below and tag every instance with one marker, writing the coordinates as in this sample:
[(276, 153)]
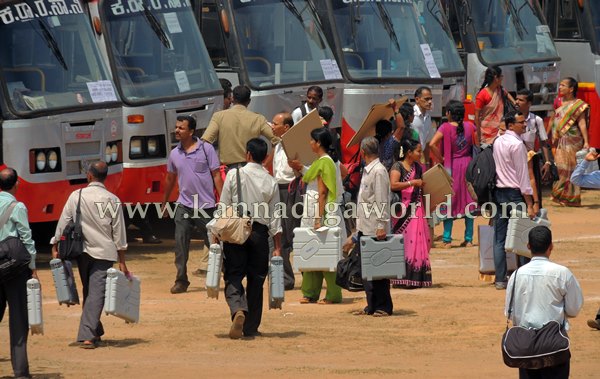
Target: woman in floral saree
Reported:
[(569, 135)]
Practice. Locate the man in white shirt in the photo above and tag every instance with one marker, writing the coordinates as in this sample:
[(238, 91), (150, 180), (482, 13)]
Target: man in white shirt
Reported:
[(534, 130), (104, 243), (284, 175), (251, 259), (422, 122), (314, 96), (544, 291)]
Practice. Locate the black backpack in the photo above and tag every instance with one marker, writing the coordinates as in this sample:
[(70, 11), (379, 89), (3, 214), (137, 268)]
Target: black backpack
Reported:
[(481, 175)]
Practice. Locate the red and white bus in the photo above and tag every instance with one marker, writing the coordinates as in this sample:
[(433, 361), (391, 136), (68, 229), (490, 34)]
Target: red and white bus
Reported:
[(59, 107)]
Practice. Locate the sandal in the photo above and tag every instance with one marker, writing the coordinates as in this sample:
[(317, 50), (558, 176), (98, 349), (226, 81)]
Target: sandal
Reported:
[(88, 345), (324, 302), (466, 244), (361, 312), (381, 313), (307, 300)]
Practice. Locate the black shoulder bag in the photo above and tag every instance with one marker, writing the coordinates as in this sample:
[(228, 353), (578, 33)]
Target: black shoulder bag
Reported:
[(531, 348), (70, 245), (14, 257)]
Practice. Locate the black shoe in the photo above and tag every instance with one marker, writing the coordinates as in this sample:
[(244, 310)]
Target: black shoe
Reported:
[(179, 287), (595, 324), (253, 334), (152, 240)]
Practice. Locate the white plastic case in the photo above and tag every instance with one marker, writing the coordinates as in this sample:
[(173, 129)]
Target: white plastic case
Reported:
[(276, 290), (382, 259), (34, 306), (317, 250), (517, 234), (213, 274), (64, 282), (122, 296)]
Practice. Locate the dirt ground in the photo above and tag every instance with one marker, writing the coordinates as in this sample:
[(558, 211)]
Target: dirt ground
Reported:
[(452, 330)]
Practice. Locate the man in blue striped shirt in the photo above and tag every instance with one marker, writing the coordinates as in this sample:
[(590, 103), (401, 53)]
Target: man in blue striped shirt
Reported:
[(14, 291)]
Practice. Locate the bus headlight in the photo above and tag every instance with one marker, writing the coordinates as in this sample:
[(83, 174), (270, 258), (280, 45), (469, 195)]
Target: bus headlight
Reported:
[(40, 161), (135, 147), (52, 159), (152, 146), (114, 152), (107, 154)]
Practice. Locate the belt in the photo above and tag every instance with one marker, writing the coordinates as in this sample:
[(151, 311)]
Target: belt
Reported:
[(235, 165)]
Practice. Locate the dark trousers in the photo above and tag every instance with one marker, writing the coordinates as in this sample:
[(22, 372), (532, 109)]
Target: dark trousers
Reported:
[(378, 293), (250, 260), (185, 219), (503, 196), (14, 292), (92, 272), (288, 223), (554, 372)]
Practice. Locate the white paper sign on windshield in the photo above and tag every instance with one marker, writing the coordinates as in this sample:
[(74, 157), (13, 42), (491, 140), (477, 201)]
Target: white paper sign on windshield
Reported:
[(182, 81), (331, 71), (430, 61), (173, 24), (102, 91)]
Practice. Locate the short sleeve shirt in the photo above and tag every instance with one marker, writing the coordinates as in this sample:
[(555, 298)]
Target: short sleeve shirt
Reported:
[(194, 174)]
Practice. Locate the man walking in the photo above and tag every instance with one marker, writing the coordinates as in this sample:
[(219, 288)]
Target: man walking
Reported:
[(284, 175), (195, 166), (104, 242), (422, 122), (512, 187), (233, 127), (251, 259), (14, 291), (534, 131), (544, 291)]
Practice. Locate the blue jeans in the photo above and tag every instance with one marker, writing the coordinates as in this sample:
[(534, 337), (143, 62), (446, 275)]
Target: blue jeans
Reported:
[(447, 237), (503, 196)]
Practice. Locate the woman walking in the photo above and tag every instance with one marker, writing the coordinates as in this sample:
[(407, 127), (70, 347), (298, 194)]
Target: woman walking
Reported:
[(406, 180), (457, 137), (489, 105), (569, 135)]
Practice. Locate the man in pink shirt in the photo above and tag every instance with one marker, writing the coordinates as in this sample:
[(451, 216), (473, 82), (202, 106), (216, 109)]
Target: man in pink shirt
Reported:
[(513, 187)]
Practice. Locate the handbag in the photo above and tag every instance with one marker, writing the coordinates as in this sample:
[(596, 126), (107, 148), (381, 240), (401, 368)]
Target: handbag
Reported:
[(531, 348), (233, 226), (348, 273), (509, 107), (70, 245), (14, 257)]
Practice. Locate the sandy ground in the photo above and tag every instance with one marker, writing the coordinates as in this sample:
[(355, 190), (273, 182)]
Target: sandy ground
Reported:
[(452, 330)]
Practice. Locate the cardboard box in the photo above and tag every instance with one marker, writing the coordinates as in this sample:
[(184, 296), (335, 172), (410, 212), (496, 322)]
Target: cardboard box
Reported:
[(438, 184), (296, 141), (376, 113)]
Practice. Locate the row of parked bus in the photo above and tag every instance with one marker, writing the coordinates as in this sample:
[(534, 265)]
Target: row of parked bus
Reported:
[(106, 79)]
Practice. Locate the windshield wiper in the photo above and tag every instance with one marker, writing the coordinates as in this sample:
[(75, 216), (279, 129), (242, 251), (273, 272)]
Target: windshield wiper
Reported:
[(436, 15), (156, 27), (517, 22), (313, 10), (52, 44), (388, 25), (292, 8)]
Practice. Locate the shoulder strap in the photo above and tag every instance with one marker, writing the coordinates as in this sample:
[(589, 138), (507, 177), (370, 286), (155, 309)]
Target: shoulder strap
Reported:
[(207, 162), (239, 192), (303, 109), (78, 210), (512, 296), (7, 213)]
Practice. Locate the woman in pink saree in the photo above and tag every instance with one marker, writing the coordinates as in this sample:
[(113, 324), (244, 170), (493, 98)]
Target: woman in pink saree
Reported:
[(406, 181), (489, 105), (569, 135)]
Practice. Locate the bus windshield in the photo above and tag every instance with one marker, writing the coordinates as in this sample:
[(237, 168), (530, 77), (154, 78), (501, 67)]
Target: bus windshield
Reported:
[(382, 39), (282, 42), (157, 50), (511, 31), (49, 58), (438, 34)]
